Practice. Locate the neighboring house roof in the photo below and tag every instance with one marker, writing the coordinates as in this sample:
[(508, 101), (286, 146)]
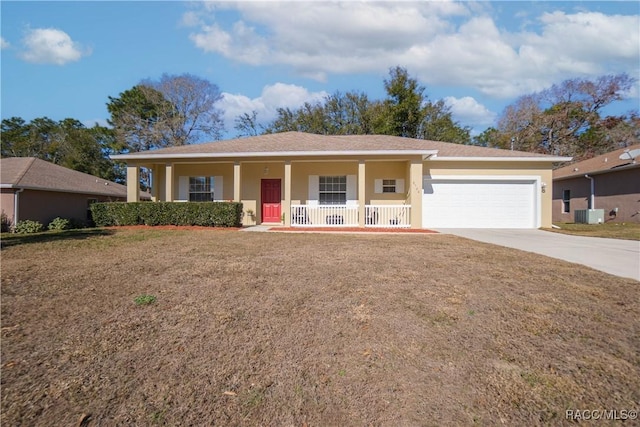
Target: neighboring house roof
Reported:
[(306, 144), (605, 163), (36, 174)]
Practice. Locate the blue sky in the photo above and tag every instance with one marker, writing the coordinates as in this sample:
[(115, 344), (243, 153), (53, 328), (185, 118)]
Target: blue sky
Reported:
[(64, 59)]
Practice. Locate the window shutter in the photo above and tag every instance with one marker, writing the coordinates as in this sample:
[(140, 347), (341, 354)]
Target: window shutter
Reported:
[(314, 189), (377, 186), (218, 188), (352, 189), (183, 189), (399, 185)]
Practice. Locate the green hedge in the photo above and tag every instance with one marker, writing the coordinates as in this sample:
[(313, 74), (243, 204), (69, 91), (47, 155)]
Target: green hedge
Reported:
[(208, 214)]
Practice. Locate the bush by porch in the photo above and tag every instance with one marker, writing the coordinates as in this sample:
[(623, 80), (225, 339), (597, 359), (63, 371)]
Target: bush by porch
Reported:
[(207, 214)]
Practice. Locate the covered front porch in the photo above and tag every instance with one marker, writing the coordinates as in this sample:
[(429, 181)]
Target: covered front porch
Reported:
[(380, 193), (381, 216)]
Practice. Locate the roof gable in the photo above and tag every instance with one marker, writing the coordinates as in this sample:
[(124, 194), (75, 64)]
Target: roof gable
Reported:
[(14, 168), (603, 163), (37, 174)]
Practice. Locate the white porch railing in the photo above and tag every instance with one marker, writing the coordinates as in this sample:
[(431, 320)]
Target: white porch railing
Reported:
[(381, 216), (324, 215), (388, 216)]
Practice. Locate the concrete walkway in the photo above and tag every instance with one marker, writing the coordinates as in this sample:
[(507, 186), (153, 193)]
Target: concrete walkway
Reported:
[(259, 228), (613, 256)]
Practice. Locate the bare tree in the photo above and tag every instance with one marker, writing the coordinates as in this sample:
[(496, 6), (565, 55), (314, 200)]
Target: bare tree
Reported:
[(190, 113), (565, 119), (519, 124), (247, 124)]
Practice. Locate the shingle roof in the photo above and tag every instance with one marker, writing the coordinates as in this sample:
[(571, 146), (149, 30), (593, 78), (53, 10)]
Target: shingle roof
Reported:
[(600, 164), (299, 142), (37, 174)]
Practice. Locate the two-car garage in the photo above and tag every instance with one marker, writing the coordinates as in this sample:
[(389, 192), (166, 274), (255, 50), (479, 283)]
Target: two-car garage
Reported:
[(481, 202)]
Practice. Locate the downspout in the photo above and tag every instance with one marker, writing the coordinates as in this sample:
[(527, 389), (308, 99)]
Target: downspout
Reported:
[(593, 191), (16, 199)]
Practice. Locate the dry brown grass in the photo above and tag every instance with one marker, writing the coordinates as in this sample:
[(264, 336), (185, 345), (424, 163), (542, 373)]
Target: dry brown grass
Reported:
[(308, 329), (611, 230)]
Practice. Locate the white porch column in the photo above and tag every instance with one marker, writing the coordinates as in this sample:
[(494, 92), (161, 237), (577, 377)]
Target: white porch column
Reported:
[(133, 183), (286, 206), (361, 193), (155, 188), (168, 184), (236, 182), (415, 192)]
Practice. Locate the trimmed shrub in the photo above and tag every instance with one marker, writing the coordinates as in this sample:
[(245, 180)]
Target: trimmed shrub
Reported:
[(207, 214), (75, 224), (27, 227), (5, 224), (60, 224), (106, 214)]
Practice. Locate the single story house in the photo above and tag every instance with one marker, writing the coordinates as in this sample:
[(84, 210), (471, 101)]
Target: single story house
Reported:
[(610, 181), (35, 189), (304, 180)]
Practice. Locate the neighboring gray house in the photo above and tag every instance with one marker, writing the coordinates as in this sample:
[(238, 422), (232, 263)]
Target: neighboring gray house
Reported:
[(616, 184), (41, 191)]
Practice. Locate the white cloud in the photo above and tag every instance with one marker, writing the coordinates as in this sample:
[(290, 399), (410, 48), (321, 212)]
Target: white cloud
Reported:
[(3, 43), (444, 43), (213, 39), (475, 55), (468, 111), (278, 95), (241, 44), (190, 19), (321, 37), (633, 92), (51, 46), (586, 41)]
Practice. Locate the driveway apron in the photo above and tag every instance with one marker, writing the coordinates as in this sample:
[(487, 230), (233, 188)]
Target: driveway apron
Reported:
[(613, 256)]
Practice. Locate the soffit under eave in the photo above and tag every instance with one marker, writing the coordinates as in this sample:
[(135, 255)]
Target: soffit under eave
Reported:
[(279, 159)]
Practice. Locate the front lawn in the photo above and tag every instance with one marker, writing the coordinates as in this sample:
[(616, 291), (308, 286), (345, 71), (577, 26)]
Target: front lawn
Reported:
[(611, 230), (210, 327)]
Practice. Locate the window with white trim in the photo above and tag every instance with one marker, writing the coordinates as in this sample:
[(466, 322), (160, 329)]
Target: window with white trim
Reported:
[(388, 185), (566, 201), (332, 190), (201, 189)]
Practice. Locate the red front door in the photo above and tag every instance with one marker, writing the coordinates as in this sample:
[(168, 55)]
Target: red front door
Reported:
[(270, 195)]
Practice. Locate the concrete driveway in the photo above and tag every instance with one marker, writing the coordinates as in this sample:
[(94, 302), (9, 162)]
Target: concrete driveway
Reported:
[(613, 256)]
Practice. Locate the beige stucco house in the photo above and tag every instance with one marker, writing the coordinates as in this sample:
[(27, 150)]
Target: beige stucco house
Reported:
[(37, 190), (308, 180), (610, 181)]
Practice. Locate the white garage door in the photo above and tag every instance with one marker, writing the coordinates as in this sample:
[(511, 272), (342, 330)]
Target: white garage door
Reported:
[(480, 203)]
